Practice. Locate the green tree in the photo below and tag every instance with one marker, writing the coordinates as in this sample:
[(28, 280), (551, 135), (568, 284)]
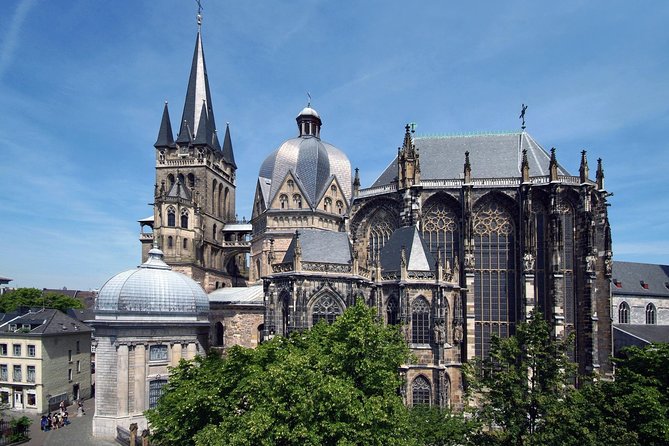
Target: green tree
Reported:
[(32, 297), (521, 386), (433, 426), (333, 385)]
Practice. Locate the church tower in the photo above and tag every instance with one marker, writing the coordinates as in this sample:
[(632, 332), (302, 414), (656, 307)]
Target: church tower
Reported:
[(194, 195)]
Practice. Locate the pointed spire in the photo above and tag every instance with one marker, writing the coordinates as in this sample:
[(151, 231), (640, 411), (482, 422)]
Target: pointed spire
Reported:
[(600, 175), (203, 135), (165, 135), (583, 169), (356, 183), (185, 135), (553, 166), (197, 94), (525, 167), (228, 154), (467, 169)]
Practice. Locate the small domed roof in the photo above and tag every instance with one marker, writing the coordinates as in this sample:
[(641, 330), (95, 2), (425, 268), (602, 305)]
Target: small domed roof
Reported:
[(152, 289), (308, 111)]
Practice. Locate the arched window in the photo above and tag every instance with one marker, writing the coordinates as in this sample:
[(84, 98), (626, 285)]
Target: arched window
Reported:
[(219, 203), (494, 275), (214, 187), (171, 217), (181, 179), (381, 225), (170, 242), (340, 207), (650, 314), (333, 188), (283, 201), (191, 180), (327, 205), (213, 231), (170, 179), (185, 243), (226, 201), (440, 229), (297, 201), (421, 391), (220, 331), (326, 308), (155, 391), (392, 311), (184, 218), (623, 313), (420, 321), (291, 184)]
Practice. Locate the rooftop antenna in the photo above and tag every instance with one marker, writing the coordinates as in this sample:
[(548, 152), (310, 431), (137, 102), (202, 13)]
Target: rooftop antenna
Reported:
[(308, 99), (199, 14), (523, 109)]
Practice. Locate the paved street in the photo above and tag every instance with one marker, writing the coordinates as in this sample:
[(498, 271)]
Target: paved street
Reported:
[(77, 433)]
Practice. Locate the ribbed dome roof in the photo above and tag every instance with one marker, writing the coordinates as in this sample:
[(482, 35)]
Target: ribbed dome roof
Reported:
[(152, 289), (311, 159)]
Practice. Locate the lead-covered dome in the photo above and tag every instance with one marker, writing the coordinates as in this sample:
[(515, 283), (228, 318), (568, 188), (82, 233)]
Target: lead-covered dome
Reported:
[(152, 289), (312, 160)]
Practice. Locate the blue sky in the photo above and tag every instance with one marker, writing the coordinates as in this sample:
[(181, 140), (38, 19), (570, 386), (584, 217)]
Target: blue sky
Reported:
[(82, 86)]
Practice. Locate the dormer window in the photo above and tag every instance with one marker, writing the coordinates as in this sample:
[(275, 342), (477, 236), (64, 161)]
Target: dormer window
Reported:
[(644, 285), (617, 283), (666, 285)]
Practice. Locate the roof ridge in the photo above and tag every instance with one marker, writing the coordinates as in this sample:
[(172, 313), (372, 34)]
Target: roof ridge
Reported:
[(466, 134)]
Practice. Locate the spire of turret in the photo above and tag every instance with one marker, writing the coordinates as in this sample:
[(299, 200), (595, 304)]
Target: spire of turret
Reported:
[(356, 183), (467, 169), (600, 175), (165, 135), (197, 94), (583, 169), (525, 167), (553, 166), (228, 153)]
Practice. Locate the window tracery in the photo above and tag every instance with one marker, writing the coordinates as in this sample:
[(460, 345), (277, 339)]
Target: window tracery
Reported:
[(184, 218), (283, 201), (623, 313), (421, 391), (494, 275), (325, 308), (171, 217), (392, 311), (297, 201), (381, 226), (440, 229), (420, 321), (650, 314)]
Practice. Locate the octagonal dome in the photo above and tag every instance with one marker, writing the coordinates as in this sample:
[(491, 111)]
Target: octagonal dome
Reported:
[(152, 289), (312, 160)]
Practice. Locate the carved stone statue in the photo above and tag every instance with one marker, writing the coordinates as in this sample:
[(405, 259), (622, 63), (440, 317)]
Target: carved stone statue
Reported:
[(528, 262), (439, 333)]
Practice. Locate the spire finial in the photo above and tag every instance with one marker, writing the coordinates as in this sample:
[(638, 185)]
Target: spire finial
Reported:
[(583, 169), (199, 14), (523, 109), (308, 99)]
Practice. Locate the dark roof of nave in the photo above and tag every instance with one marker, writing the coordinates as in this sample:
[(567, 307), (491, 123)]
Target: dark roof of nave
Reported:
[(647, 332), (418, 255), (494, 155), (627, 278), (321, 246)]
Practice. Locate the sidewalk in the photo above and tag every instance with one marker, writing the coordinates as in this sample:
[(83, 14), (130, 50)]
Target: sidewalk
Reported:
[(79, 432)]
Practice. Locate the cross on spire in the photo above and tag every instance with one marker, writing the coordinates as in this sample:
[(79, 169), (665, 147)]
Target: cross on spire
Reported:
[(523, 109), (199, 13)]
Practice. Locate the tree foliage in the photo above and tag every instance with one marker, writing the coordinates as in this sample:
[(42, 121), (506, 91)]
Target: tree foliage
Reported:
[(333, 385), (32, 297), (521, 384), (433, 426)]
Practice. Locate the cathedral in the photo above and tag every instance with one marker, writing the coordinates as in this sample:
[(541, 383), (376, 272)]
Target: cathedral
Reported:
[(458, 240)]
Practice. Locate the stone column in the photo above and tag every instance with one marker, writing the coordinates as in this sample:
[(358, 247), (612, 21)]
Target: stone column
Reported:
[(191, 351), (140, 378), (176, 354), (122, 380)]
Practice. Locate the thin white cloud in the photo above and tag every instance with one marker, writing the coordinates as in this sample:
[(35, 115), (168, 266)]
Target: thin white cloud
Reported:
[(11, 38)]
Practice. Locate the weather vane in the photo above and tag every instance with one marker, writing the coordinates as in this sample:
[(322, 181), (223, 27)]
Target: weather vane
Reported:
[(522, 115), (199, 13), (308, 99)]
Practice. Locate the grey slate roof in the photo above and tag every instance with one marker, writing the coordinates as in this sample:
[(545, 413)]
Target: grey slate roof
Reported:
[(228, 153), (626, 279), (252, 295), (179, 190), (44, 321), (418, 255), (321, 246), (165, 135), (495, 155), (648, 333)]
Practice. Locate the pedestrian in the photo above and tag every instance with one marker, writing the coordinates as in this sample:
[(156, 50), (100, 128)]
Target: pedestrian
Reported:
[(66, 419), (43, 424)]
